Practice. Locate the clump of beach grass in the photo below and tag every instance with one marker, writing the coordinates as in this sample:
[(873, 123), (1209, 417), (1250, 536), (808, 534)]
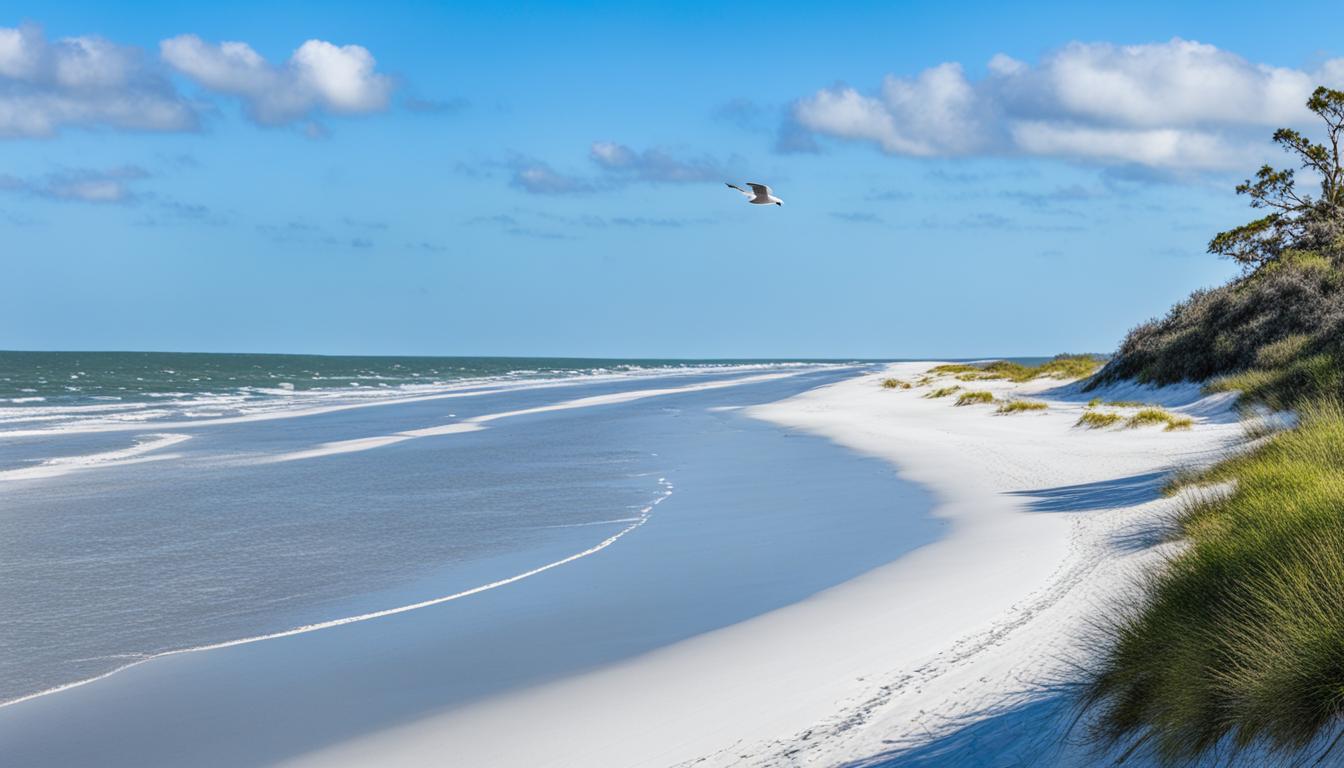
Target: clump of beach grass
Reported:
[(1022, 406), (896, 384), (950, 368), (943, 391), (1153, 416), (1127, 404), (1099, 419), (974, 398), (1058, 367), (1240, 640)]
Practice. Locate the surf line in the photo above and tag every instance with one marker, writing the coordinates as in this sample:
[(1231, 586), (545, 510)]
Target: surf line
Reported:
[(66, 464), (644, 515), (478, 422)]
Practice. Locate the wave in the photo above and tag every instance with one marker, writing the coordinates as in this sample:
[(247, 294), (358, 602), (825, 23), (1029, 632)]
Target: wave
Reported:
[(477, 422), (645, 514), (251, 403), (135, 454)]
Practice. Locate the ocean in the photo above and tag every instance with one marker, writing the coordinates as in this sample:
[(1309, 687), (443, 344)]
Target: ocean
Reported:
[(553, 515)]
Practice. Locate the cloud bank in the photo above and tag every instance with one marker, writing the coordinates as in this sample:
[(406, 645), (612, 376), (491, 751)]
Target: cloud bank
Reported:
[(89, 82), (317, 77), (1176, 105), (82, 81)]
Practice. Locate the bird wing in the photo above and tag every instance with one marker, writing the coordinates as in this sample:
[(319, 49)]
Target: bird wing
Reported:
[(739, 189), (759, 189)]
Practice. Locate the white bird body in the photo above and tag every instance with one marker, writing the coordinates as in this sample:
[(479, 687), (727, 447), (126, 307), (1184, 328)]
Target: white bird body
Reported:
[(760, 194)]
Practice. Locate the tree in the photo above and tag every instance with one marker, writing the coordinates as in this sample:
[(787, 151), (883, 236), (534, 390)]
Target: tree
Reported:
[(1295, 220)]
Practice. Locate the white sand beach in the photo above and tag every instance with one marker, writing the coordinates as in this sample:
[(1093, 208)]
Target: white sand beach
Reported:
[(938, 657)]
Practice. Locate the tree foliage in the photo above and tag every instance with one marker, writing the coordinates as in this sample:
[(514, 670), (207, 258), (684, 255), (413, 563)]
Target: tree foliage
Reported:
[(1294, 219)]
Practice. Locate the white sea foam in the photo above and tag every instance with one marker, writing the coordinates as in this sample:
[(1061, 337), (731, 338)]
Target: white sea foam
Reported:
[(264, 403), (645, 513), (475, 422), (66, 464)]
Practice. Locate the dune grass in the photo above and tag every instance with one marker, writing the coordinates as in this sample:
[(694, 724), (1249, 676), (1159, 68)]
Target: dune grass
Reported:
[(1022, 406), (1240, 640), (1154, 416), (1098, 419), (950, 368), (975, 398), (896, 384), (1058, 367), (943, 391), (1127, 404)]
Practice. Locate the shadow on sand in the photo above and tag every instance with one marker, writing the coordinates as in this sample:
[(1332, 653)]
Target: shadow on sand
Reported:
[(1103, 494), (1034, 732)]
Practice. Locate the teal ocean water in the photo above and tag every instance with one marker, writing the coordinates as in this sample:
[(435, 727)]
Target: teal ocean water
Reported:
[(49, 390), (544, 515)]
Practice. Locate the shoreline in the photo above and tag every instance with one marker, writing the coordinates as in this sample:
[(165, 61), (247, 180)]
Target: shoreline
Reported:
[(743, 519), (1046, 523)]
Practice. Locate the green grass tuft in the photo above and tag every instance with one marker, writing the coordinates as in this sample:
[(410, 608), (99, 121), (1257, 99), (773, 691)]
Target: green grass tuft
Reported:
[(974, 398), (896, 384), (943, 391), (1020, 406), (1098, 419), (1153, 416)]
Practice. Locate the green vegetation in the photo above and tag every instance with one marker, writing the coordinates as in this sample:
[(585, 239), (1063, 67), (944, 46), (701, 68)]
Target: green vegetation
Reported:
[(1241, 640), (1058, 367), (974, 398), (896, 384), (1266, 323), (943, 391), (1020, 406), (1098, 419), (948, 368), (1094, 402), (1152, 416), (1126, 403)]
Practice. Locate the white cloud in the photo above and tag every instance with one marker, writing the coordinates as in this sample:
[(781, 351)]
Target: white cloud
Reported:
[(318, 77), (1176, 105), (82, 81)]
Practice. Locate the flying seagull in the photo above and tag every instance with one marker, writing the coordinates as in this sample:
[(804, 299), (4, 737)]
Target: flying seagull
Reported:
[(759, 194)]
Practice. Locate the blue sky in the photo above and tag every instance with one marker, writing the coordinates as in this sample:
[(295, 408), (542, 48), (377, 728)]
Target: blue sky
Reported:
[(546, 179)]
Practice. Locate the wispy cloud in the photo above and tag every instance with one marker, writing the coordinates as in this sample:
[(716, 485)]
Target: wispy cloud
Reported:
[(538, 178), (84, 185), (616, 165), (857, 217), (435, 106), (1174, 105)]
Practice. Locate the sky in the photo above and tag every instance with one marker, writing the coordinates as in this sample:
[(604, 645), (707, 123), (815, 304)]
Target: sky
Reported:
[(959, 179)]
